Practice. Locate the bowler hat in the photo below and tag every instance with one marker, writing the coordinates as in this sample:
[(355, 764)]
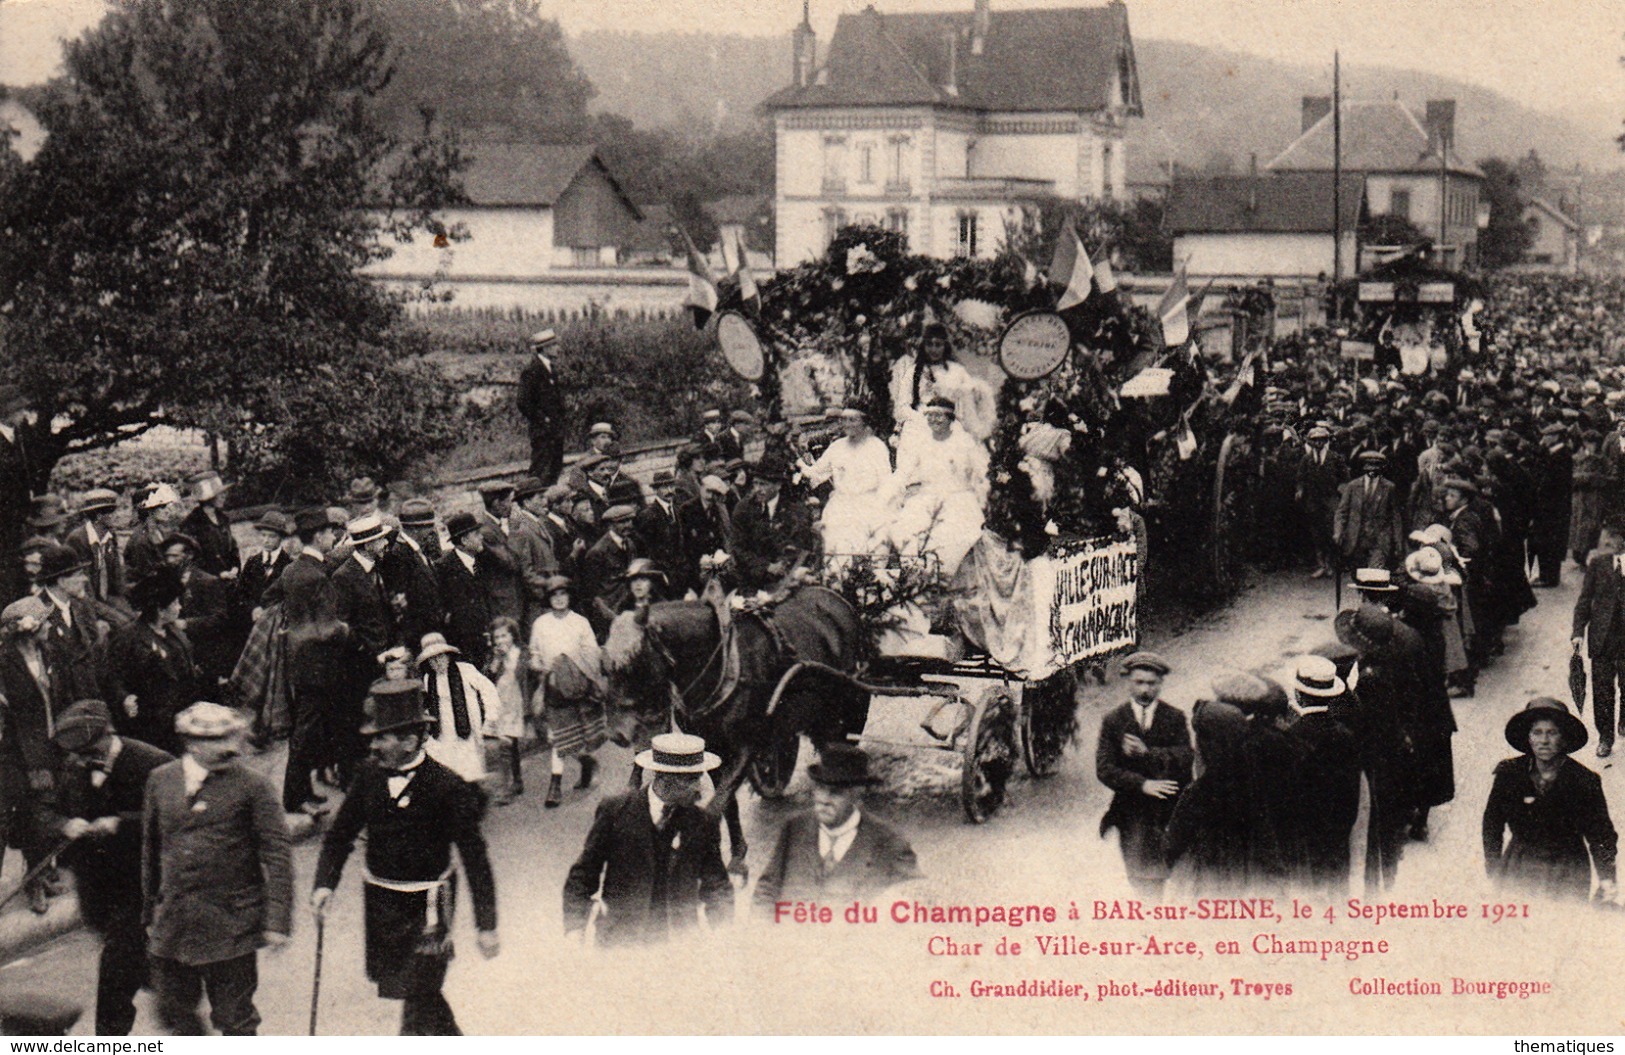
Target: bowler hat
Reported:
[(677, 753), (460, 524), (1146, 661), (842, 766), (59, 561), (82, 725), (275, 520), (156, 590), (1574, 731), (417, 512), (395, 704), (209, 721)]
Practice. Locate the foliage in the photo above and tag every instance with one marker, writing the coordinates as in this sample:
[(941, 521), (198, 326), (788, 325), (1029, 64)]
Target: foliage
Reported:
[(1130, 232), (129, 465), (1389, 229), (488, 68), (185, 247), (1506, 239)]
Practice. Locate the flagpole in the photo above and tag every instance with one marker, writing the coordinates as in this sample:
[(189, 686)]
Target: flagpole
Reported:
[(1337, 182)]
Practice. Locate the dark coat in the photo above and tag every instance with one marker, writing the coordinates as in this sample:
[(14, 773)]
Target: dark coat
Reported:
[(1317, 490), (539, 400), (217, 549), (760, 540), (1368, 527), (468, 607), (602, 590), (363, 604), (108, 867), (659, 536), (30, 714), (1140, 820), (532, 546), (216, 868), (106, 562), (1599, 611), (409, 839), (258, 573), (76, 652), (498, 569), (414, 591), (318, 643), (159, 671), (143, 551), (1325, 791), (1556, 837), (563, 539), (1554, 495), (705, 529), (650, 889), (879, 858), (216, 625), (16, 500)]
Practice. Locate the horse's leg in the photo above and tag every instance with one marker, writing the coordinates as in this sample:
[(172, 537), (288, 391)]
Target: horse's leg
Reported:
[(726, 803)]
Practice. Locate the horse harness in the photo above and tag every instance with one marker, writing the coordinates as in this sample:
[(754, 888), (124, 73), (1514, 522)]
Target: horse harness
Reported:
[(724, 659)]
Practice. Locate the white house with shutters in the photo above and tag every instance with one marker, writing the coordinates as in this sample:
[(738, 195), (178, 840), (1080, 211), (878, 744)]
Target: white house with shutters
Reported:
[(946, 126)]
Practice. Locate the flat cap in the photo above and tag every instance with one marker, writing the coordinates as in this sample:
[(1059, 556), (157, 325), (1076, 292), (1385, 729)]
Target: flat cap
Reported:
[(82, 725), (619, 514), (1145, 660)]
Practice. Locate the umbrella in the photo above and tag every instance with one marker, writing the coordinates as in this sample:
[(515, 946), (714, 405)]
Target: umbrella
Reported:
[(1577, 680)]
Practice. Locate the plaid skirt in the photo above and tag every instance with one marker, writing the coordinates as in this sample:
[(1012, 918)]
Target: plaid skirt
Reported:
[(575, 728)]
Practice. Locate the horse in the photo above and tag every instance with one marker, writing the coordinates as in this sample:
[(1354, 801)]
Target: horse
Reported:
[(720, 680)]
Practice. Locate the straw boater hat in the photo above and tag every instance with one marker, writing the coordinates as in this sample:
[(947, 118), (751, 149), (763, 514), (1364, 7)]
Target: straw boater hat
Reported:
[(396, 704), (1374, 580), (436, 645), (1518, 726), (207, 486), (363, 530), (543, 338), (601, 428), (677, 753), (98, 499), (1316, 676), (209, 721)]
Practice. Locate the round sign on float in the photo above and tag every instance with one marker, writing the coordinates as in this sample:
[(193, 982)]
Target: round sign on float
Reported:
[(740, 346), (1034, 345)]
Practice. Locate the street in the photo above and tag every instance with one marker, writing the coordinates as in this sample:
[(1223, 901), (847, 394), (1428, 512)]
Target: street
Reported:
[(1042, 848)]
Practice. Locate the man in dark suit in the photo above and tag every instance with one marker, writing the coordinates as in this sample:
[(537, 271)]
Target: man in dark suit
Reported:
[(1320, 474), (217, 876), (771, 533), (100, 791), (713, 442), (541, 404), (409, 575), (77, 633), (653, 856), (603, 569), (279, 545), (1368, 532), (463, 593), (1599, 627), (94, 542), (212, 615), (532, 545), (1144, 755), (414, 810), (208, 525), (1324, 787), (1474, 539), (835, 852), (16, 486), (659, 535), (499, 569), (363, 606), (564, 535), (1554, 503)]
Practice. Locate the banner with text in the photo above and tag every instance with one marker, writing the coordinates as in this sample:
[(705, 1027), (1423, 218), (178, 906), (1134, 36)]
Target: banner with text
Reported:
[(1084, 595)]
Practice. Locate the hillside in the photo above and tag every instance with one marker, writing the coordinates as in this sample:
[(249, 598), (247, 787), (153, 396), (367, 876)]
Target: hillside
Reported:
[(1200, 102)]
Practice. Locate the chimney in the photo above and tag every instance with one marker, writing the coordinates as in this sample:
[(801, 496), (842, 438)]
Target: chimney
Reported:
[(979, 24), (950, 80), (804, 48), (1252, 183), (1314, 108), (1441, 125)]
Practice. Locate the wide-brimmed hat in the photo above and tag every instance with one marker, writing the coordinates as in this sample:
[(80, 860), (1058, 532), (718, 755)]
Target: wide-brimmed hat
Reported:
[(436, 645), (1366, 628), (460, 524), (1426, 566), (1573, 729), (156, 590), (366, 529), (1144, 660), (97, 499), (156, 496), (1317, 676), (395, 704), (82, 725), (209, 721), (677, 753), (643, 568), (275, 520), (1374, 580), (207, 485), (59, 561), (417, 512), (842, 766)]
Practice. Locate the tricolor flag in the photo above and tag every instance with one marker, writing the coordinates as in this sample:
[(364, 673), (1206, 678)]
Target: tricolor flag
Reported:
[(1174, 312), (739, 267), (702, 287), (1078, 276), (1103, 273), (1185, 442)]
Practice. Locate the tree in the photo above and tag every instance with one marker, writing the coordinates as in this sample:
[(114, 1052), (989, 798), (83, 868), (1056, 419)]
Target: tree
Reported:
[(1389, 229), (185, 248), (1506, 239), (490, 69)]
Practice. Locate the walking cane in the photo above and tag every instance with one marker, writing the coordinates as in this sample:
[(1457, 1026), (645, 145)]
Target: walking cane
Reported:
[(316, 983), (34, 873)]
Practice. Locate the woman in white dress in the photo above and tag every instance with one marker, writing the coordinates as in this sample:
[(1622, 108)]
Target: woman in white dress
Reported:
[(916, 380), (941, 484), (459, 697), (859, 470), (564, 654)]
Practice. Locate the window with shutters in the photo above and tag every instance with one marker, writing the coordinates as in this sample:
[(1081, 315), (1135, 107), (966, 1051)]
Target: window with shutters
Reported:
[(965, 242)]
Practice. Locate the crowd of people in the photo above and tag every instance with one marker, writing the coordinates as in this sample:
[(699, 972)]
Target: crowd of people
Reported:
[(408, 653)]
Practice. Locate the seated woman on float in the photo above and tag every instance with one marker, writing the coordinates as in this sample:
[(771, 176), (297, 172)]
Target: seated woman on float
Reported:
[(916, 380), (941, 486), (859, 469)]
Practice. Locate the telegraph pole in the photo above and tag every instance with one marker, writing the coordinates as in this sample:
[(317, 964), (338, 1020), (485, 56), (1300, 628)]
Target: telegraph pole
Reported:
[(1337, 181)]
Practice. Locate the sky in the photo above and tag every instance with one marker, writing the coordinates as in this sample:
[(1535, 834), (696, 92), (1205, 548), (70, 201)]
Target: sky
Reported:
[(1552, 54)]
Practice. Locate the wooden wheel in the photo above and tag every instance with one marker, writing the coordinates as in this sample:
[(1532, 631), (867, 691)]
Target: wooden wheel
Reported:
[(990, 757), (772, 766), (1047, 723), (1231, 494)]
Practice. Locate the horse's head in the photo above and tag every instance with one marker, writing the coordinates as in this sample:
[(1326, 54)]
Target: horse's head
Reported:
[(635, 667)]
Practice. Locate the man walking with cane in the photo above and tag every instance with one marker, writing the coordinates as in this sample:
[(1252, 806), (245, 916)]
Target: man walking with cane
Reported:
[(414, 810)]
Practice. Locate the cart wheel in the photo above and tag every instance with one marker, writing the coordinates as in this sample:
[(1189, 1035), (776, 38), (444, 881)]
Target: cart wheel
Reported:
[(771, 768), (1048, 721), (990, 757), (1229, 529)]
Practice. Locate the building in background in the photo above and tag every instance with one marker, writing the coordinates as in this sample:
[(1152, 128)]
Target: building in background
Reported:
[(1554, 238), (1266, 225), (1410, 166), (945, 127)]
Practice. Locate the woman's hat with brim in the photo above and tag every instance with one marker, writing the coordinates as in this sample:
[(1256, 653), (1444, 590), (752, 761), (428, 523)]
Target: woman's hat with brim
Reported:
[(1573, 729), (842, 766), (58, 562), (1366, 628), (643, 568), (395, 704), (1426, 566), (162, 587), (1317, 676), (207, 486), (436, 645), (677, 753)]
